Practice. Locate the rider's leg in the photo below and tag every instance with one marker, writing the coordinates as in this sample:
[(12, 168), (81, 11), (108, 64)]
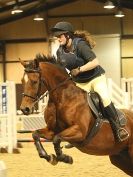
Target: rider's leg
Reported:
[(120, 132), (100, 86)]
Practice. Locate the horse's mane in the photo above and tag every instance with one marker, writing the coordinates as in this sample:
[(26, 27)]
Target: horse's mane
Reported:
[(49, 59), (34, 63), (43, 58)]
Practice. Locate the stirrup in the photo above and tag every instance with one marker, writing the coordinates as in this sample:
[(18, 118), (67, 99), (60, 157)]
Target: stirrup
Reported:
[(126, 134)]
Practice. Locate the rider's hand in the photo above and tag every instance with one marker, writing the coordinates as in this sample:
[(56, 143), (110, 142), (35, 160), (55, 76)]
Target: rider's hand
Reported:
[(75, 72)]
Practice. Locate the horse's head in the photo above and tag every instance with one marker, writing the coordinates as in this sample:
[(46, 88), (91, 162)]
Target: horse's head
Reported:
[(32, 86), (41, 74)]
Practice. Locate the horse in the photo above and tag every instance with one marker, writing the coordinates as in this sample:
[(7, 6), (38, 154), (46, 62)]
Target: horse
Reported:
[(69, 117)]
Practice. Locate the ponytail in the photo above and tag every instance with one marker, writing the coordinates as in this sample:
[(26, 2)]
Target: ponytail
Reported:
[(87, 37)]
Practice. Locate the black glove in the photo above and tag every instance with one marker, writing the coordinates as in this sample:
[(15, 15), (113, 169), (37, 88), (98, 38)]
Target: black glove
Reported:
[(75, 72)]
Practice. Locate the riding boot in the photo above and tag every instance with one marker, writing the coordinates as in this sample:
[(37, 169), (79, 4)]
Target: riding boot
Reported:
[(120, 133)]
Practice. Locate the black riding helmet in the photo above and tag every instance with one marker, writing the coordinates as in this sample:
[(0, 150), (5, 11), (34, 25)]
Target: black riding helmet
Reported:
[(62, 28)]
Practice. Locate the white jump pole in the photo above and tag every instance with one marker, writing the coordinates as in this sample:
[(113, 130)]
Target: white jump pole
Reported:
[(8, 132), (12, 112), (3, 169)]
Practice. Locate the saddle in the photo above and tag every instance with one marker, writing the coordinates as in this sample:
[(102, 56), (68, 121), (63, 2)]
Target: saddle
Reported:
[(96, 105), (97, 108)]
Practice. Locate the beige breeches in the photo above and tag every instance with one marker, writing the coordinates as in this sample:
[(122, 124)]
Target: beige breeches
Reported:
[(98, 85)]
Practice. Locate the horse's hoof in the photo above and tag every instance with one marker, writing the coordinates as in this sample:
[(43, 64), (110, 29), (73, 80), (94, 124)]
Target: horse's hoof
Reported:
[(70, 160), (66, 159), (42, 156), (53, 160)]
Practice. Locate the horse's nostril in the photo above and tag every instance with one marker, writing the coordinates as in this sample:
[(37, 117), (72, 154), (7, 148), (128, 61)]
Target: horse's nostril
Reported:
[(26, 111)]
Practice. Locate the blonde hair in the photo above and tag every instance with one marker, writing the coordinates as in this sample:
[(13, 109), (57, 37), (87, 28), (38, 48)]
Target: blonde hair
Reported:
[(86, 36)]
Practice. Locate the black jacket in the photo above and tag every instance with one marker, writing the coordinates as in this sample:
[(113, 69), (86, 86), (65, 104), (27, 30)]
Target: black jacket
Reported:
[(81, 55)]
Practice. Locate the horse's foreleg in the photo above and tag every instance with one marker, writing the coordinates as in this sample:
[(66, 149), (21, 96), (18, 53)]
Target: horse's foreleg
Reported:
[(58, 150), (41, 151), (71, 134)]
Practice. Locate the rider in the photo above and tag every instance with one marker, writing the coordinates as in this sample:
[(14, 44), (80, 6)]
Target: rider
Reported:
[(75, 53)]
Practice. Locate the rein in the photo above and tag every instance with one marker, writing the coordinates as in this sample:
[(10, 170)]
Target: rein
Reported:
[(38, 98), (48, 92)]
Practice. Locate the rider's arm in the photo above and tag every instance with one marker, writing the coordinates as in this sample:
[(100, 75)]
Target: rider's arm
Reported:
[(91, 61), (90, 65)]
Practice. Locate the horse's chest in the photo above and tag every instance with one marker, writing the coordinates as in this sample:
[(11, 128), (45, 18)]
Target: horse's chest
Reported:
[(66, 113), (62, 120), (60, 125)]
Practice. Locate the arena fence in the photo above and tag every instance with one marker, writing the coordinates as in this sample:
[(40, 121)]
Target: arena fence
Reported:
[(127, 86), (8, 135), (28, 124), (119, 96), (31, 122)]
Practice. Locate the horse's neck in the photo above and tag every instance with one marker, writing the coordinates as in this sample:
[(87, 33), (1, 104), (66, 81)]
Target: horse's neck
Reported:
[(52, 75)]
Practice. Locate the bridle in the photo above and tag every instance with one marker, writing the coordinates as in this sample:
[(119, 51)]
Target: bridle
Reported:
[(38, 96)]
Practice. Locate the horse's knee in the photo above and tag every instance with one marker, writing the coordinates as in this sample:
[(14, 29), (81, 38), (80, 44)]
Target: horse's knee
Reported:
[(35, 135), (56, 140)]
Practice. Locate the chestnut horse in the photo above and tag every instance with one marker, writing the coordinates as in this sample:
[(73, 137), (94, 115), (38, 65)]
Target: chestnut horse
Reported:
[(69, 118)]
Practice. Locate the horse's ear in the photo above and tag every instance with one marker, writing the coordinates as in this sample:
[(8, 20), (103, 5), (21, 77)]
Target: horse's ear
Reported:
[(23, 63)]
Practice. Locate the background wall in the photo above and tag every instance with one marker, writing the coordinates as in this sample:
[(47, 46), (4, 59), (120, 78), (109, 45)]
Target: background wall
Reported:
[(108, 52), (25, 51), (24, 28)]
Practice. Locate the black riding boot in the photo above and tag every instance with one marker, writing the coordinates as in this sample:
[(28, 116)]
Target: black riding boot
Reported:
[(120, 133)]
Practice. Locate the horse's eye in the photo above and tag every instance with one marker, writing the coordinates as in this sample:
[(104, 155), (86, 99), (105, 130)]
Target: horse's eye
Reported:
[(34, 82)]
